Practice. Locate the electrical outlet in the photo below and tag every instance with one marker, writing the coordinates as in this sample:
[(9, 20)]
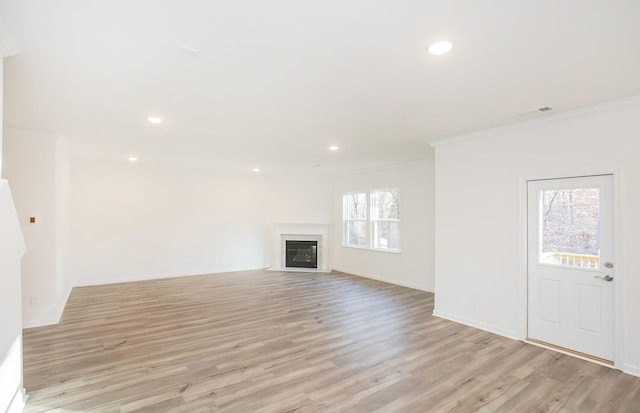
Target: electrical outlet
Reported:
[(35, 300)]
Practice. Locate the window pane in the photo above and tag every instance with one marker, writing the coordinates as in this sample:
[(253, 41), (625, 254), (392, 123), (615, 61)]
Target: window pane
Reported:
[(385, 204), (355, 233), (385, 216), (386, 235), (355, 206), (569, 230)]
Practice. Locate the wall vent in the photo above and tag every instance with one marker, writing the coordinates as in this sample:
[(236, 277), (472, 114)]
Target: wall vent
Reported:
[(534, 112)]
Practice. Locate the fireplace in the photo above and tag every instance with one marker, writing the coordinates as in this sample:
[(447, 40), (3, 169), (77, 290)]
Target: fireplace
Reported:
[(302, 254), (285, 232)]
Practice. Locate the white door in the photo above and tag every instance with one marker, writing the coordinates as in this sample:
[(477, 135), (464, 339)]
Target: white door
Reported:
[(570, 264)]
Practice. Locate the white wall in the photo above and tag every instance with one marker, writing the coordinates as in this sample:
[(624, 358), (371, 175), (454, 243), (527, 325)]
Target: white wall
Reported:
[(300, 199), (413, 267), (35, 165), (63, 182), (134, 221), (479, 225), (1, 104), (11, 250), (300, 203)]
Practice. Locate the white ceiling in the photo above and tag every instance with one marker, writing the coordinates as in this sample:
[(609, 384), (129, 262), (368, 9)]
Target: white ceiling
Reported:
[(276, 82)]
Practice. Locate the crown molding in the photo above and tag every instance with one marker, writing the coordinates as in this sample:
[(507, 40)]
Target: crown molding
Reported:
[(452, 140)]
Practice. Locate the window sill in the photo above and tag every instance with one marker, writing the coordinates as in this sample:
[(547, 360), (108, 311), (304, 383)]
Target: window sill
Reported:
[(372, 249)]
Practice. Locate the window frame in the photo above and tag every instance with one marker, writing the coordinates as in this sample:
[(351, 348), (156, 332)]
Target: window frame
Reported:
[(371, 222)]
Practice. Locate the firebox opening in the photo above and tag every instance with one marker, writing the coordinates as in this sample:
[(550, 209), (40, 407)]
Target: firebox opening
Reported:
[(301, 254)]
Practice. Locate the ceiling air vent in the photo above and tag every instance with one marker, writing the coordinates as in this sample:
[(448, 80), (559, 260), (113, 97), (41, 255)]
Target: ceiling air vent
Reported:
[(534, 112)]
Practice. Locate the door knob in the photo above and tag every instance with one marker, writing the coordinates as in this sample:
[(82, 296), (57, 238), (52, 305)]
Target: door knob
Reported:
[(606, 277)]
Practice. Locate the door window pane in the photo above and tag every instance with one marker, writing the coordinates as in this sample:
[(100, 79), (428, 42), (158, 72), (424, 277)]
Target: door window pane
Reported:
[(569, 227)]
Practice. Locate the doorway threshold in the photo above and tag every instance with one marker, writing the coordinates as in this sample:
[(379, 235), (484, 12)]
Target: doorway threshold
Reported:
[(569, 352)]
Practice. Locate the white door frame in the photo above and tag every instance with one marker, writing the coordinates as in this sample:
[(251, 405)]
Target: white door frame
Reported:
[(617, 254)]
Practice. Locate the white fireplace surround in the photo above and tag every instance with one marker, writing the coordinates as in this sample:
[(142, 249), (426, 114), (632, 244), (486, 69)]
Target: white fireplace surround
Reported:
[(299, 232)]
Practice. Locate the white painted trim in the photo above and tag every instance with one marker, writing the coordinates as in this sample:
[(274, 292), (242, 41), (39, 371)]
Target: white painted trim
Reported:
[(320, 250), (55, 319), (473, 323), (298, 269), (282, 231), (40, 322), (385, 279), (7, 200), (465, 137), (523, 305), (631, 369), (18, 402), (106, 281), (12, 394), (399, 252), (618, 255), (523, 270)]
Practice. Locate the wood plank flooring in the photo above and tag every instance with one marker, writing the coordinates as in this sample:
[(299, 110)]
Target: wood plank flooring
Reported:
[(263, 341)]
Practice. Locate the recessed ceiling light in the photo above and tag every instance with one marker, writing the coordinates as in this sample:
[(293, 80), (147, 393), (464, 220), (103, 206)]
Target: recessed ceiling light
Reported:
[(133, 158), (440, 47), (154, 119), (256, 169), (333, 148)]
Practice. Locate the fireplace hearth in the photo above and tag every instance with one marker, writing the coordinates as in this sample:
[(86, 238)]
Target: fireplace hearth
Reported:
[(301, 254)]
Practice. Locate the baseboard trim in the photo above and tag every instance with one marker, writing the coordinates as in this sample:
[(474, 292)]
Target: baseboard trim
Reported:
[(18, 402), (12, 395), (40, 322), (476, 324), (298, 269), (136, 278), (387, 280), (57, 311), (631, 369)]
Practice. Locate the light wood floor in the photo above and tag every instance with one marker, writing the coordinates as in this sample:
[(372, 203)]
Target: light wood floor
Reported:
[(264, 341)]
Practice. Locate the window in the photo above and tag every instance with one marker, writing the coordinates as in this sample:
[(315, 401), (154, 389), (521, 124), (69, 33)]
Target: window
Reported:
[(372, 219), (355, 219), (385, 219), (570, 227)]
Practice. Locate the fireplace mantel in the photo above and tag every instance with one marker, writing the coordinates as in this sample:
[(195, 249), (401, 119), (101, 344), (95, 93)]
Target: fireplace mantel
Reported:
[(301, 232)]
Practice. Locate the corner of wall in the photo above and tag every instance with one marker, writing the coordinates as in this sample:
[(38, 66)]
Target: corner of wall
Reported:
[(12, 393), (38, 165), (631, 369), (476, 324), (12, 248)]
